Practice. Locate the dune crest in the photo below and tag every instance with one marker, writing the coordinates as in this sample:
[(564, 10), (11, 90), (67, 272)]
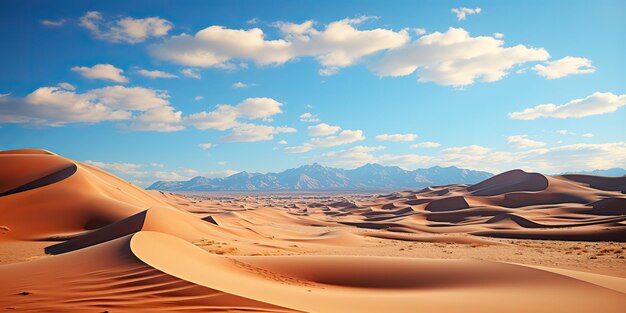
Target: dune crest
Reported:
[(116, 247)]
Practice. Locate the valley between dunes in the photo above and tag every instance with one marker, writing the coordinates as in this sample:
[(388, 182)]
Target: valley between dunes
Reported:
[(74, 238)]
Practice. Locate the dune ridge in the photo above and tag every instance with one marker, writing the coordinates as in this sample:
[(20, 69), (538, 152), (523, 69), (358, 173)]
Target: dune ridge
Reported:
[(116, 247)]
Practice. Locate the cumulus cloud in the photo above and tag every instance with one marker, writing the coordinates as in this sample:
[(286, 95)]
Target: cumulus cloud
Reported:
[(462, 13), (396, 137), (564, 67), (146, 109), (282, 142), (190, 72), (587, 135), (198, 98), (595, 104), (425, 144), (251, 132), (343, 138), (127, 29), (156, 74), (339, 44), (523, 142), (53, 23), (101, 71), (323, 129), (226, 117), (160, 119), (455, 58), (309, 118)]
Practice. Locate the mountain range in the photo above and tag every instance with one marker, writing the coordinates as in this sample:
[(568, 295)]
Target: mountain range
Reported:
[(607, 172), (316, 177)]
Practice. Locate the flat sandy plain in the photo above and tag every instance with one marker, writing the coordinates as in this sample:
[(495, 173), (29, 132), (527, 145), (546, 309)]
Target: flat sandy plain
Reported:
[(75, 238)]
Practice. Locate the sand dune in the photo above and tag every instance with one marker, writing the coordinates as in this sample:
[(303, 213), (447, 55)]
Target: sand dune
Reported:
[(115, 247)]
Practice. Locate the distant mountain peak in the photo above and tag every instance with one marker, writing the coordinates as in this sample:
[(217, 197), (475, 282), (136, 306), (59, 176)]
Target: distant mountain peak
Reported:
[(371, 176)]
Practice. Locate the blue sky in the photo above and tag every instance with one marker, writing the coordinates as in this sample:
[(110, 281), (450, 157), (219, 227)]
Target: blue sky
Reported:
[(488, 85)]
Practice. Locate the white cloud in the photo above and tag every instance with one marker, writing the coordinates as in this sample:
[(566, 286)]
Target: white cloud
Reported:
[(146, 109), (564, 67), (426, 144), (352, 157), (323, 129), (160, 119), (454, 58), (101, 71), (580, 157), (595, 104), (299, 149), (498, 35), (205, 146), (419, 31), (142, 174), (226, 117), (53, 23), (411, 161), (396, 137), (339, 44), (282, 142), (587, 135), (67, 86), (125, 29), (564, 132), (309, 118), (253, 20), (522, 142), (361, 155), (469, 150), (220, 174), (328, 71), (343, 138), (198, 98), (222, 163), (156, 74), (253, 108), (462, 13), (240, 85), (119, 167), (546, 160), (190, 72), (222, 118), (252, 132)]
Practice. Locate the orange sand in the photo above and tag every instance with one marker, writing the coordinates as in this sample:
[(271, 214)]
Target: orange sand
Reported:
[(114, 247)]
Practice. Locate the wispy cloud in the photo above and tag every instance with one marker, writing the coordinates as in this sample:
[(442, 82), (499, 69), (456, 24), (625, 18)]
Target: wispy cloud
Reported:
[(595, 104), (126, 29)]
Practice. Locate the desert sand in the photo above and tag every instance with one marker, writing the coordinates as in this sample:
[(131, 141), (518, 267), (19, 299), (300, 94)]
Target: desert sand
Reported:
[(74, 238)]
